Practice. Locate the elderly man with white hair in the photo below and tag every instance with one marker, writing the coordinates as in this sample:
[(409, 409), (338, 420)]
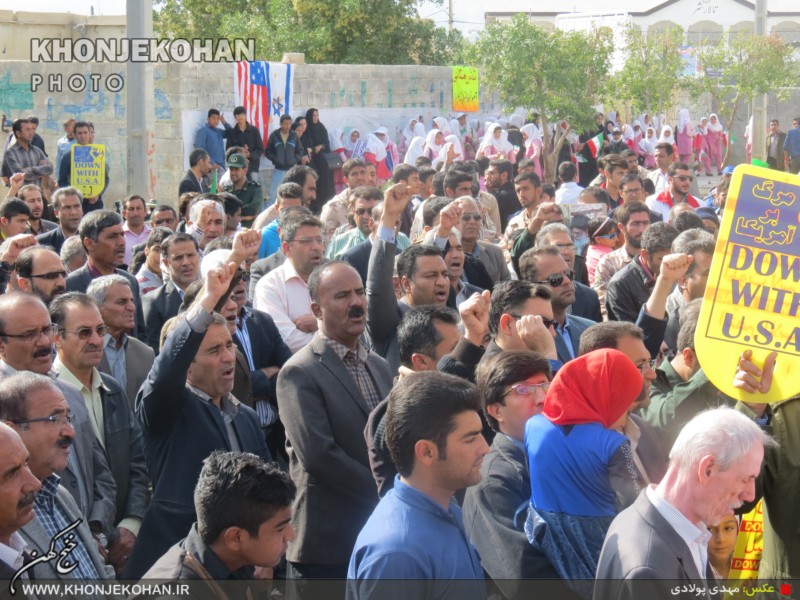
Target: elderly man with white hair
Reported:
[(206, 220), (712, 472)]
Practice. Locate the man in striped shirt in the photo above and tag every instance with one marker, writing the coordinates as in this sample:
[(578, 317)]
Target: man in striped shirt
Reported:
[(22, 157)]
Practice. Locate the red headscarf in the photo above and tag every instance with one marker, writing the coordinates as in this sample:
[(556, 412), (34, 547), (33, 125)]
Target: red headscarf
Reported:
[(598, 387)]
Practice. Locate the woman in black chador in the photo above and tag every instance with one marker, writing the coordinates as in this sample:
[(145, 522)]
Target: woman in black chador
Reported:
[(315, 141)]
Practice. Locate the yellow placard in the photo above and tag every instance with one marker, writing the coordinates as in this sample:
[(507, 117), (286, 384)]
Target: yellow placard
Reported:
[(752, 299), (88, 169), (465, 89), (749, 545)]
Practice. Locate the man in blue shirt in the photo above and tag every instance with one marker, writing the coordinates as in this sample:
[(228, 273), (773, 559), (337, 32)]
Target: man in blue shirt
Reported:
[(416, 533), (791, 147), (210, 139)]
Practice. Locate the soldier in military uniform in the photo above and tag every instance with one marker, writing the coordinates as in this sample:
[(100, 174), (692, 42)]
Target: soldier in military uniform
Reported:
[(249, 192)]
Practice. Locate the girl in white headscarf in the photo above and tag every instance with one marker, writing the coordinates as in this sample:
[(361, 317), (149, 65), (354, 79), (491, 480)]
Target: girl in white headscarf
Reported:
[(375, 153), (392, 154), (442, 124), (666, 136), (684, 135), (433, 143), (636, 136), (419, 130), (415, 150), (533, 145), (701, 146), (353, 144), (408, 134), (648, 147), (451, 150), (716, 141), (495, 144)]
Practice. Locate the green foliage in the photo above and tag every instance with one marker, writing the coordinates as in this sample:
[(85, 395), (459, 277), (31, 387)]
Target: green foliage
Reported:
[(653, 70), (557, 74), (327, 31)]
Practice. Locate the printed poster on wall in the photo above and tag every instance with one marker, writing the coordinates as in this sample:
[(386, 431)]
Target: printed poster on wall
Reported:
[(465, 89)]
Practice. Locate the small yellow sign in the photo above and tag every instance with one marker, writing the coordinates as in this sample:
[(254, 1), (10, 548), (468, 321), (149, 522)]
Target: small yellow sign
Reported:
[(88, 169), (752, 299), (465, 89), (749, 545)]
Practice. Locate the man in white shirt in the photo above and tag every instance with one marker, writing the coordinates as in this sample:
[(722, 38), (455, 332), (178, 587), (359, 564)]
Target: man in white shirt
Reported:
[(283, 292), (665, 155), (713, 468), (16, 501), (569, 190)]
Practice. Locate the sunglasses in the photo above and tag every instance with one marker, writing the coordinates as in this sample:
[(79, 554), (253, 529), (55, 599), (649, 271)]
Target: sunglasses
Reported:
[(608, 236), (528, 389), (468, 218), (684, 177), (49, 276), (362, 211), (556, 279), (84, 333), (547, 322)]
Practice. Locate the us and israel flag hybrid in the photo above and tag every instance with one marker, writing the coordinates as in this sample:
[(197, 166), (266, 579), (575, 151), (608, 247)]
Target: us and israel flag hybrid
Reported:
[(265, 90)]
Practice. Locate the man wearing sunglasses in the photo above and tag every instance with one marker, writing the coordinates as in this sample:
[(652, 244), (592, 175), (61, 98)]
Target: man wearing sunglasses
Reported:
[(545, 266), (26, 344), (79, 341), (40, 271), (680, 180), (362, 200)]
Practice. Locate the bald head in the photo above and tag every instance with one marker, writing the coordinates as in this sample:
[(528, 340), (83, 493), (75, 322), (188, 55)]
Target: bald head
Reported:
[(26, 340)]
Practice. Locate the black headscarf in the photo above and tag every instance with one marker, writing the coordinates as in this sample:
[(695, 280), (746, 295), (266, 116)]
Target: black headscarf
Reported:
[(316, 133)]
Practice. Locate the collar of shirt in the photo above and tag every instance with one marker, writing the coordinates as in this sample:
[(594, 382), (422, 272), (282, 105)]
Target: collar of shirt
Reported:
[(145, 231), (49, 489), (341, 350), (649, 279), (413, 497), (110, 341), (68, 377), (229, 405), (209, 559), (7, 370), (11, 553), (288, 271), (693, 534), (92, 269)]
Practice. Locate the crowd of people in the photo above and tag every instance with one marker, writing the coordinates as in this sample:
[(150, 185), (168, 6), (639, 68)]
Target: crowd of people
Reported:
[(433, 377)]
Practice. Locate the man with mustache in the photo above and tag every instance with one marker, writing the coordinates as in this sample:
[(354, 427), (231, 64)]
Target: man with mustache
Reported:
[(79, 341), (40, 271), (325, 394), (26, 344), (103, 240), (17, 494), (37, 410)]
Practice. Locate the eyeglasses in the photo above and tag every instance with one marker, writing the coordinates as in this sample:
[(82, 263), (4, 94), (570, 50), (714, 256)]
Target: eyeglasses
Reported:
[(547, 322), (556, 279), (528, 389), (60, 419), (362, 211), (468, 218), (306, 241), (168, 221), (33, 334), (84, 333), (651, 364), (49, 276), (684, 177), (565, 246), (608, 236)]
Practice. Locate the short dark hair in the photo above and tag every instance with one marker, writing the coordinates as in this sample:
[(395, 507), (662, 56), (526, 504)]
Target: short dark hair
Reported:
[(402, 172), (417, 333), (629, 178), (14, 392), (438, 183), (163, 207), (223, 242), (185, 202), (527, 262), (407, 261), (615, 161), (239, 489), (526, 163), (290, 190), (231, 203), (666, 147), (27, 188), (624, 213), (600, 226), (607, 335), (453, 178), (290, 226), (503, 166), (598, 194), (509, 296), (285, 117), (425, 173), (299, 174), (689, 315), (157, 236), (352, 163), (549, 189), (691, 242), (60, 305), (424, 406), (422, 161), (196, 156), (94, 222), (133, 197), (658, 238), (212, 112), (567, 171), (24, 262), (686, 220), (533, 178), (503, 369), (627, 153), (239, 110), (677, 166), (432, 208), (13, 207), (366, 192), (177, 238), (17, 124)]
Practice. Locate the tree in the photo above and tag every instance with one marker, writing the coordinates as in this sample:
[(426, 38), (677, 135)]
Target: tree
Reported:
[(327, 31), (739, 68), (653, 70), (558, 74)]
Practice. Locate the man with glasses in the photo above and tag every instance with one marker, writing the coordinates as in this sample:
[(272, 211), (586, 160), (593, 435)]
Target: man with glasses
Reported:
[(26, 344), (489, 255), (40, 271), (164, 216), (513, 386), (79, 341), (648, 455), (37, 410), (680, 180), (362, 200), (67, 204), (545, 266), (283, 292)]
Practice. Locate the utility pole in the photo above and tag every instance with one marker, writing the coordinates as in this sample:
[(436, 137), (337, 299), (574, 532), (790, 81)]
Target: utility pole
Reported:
[(758, 139), (449, 16), (139, 96)]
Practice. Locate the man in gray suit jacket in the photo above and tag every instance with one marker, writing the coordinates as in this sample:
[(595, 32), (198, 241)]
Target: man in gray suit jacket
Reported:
[(38, 411), (325, 394), (87, 475), (663, 535)]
